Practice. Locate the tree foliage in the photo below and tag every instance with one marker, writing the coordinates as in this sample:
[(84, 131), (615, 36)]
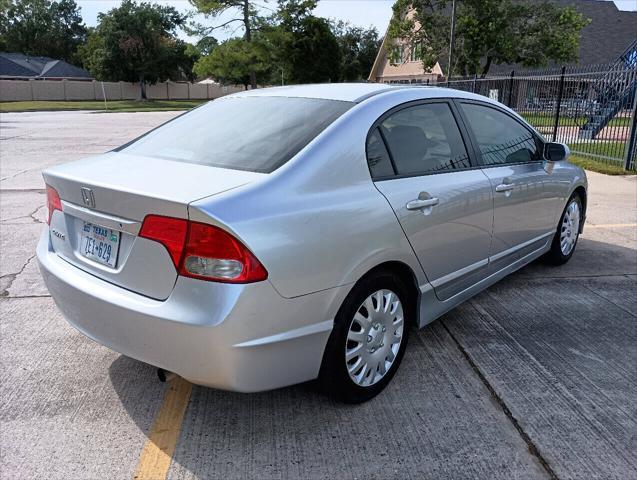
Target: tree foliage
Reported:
[(191, 55), (137, 43), (245, 13), (42, 28), (289, 46), (359, 47), (307, 50), (207, 44), (488, 32), (233, 61)]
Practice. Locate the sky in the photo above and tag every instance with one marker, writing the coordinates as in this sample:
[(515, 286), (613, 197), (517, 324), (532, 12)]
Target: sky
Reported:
[(363, 13)]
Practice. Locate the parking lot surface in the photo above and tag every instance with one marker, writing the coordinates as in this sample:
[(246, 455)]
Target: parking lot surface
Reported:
[(534, 378)]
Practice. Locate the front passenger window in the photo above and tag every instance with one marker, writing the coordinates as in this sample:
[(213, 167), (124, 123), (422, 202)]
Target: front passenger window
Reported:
[(500, 138)]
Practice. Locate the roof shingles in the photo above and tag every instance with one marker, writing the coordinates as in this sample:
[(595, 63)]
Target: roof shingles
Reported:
[(17, 65)]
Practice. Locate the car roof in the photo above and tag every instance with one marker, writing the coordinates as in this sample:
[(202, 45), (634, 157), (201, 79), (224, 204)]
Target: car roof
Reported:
[(345, 92)]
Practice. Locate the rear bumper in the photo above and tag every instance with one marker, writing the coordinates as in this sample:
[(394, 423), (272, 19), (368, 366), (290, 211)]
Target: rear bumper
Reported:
[(243, 338)]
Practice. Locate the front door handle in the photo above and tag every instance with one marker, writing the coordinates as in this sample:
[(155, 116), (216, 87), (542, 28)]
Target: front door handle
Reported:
[(422, 203), (504, 187)]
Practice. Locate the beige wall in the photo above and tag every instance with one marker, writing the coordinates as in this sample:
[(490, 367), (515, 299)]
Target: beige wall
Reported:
[(112, 91), (77, 90), (130, 91), (158, 91), (24, 90), (216, 91), (47, 90), (18, 89), (198, 90), (178, 90)]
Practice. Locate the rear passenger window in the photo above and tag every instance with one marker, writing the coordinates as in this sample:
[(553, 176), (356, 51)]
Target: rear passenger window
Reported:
[(500, 138), (377, 156), (425, 139)]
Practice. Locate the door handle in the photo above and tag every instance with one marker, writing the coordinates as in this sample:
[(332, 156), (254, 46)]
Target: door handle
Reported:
[(422, 203), (504, 187)]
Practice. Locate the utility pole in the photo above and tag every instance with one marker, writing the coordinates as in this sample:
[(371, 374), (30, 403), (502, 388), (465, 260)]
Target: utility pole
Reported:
[(452, 39)]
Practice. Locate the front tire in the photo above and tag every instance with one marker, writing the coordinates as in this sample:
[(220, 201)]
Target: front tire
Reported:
[(567, 233), (369, 339)]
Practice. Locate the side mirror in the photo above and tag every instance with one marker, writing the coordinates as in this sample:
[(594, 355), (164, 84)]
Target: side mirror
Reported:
[(556, 152)]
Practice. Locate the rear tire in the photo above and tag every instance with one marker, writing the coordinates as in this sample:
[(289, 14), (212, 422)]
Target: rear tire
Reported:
[(567, 233), (369, 338)]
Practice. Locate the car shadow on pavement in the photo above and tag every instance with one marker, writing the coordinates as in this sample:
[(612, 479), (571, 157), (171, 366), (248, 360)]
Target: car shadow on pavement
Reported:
[(138, 388), (591, 258), (150, 387), (435, 415)]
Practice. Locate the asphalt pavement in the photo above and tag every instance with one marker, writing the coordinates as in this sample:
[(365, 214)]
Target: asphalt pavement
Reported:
[(534, 378)]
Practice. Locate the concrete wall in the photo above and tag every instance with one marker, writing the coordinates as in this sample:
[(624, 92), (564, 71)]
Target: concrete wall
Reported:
[(158, 91), (198, 90), (24, 90), (216, 91), (110, 90), (77, 90), (47, 90), (15, 89), (178, 90), (130, 91)]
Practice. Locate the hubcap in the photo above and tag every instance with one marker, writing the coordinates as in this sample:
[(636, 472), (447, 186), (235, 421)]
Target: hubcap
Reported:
[(570, 228), (374, 338)]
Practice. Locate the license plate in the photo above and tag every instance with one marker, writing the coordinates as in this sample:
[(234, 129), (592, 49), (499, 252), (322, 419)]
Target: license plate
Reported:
[(100, 244)]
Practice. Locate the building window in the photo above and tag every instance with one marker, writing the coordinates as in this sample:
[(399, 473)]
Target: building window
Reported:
[(416, 51), (397, 55)]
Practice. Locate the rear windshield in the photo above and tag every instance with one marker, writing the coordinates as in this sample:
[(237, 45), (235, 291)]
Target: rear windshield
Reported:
[(257, 134)]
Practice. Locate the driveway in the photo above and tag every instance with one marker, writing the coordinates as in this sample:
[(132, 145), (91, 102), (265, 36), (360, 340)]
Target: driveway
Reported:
[(534, 378)]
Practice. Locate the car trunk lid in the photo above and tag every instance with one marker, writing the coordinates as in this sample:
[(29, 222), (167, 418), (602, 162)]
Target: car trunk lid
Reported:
[(104, 202)]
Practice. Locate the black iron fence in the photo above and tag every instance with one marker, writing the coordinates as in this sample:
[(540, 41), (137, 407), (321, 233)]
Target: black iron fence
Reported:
[(592, 109)]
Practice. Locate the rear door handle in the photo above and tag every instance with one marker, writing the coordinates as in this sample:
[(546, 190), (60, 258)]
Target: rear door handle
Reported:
[(418, 203), (504, 187)]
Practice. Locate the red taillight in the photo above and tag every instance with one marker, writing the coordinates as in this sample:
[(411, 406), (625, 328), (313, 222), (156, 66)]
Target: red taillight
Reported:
[(53, 202), (213, 254), (202, 251), (170, 232)]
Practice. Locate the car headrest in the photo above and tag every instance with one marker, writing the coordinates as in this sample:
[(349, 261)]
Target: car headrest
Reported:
[(409, 146)]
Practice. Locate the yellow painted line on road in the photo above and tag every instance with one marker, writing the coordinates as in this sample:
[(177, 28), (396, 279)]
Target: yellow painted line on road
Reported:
[(157, 453), (613, 225)]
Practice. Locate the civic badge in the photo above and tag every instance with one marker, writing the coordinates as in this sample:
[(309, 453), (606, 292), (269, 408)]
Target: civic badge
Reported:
[(87, 197), (58, 234)]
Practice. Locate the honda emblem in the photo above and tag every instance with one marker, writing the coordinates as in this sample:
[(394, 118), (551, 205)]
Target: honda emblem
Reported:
[(87, 197)]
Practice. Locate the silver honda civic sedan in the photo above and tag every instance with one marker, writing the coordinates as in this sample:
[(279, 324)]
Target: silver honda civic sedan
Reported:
[(288, 234)]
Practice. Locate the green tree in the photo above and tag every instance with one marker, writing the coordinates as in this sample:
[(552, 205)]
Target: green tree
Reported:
[(233, 62), (137, 43), (246, 13), (206, 45), (488, 32), (290, 46), (192, 54), (42, 28), (359, 47), (305, 49)]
